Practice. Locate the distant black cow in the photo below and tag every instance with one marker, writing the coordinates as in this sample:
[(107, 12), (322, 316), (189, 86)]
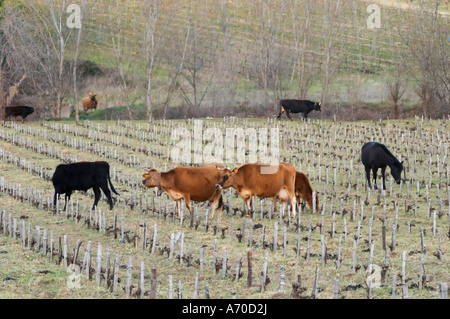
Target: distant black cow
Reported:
[(374, 156), (298, 106), (83, 176), (22, 111)]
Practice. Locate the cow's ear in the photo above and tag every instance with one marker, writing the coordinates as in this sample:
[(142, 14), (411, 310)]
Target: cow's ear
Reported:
[(145, 176), (235, 170)]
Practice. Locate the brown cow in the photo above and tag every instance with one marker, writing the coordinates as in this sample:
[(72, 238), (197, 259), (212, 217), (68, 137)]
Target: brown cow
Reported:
[(303, 190), (90, 102), (188, 183), (261, 180)]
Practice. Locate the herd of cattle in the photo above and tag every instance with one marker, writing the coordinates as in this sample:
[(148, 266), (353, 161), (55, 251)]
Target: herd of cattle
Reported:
[(205, 184), (91, 102)]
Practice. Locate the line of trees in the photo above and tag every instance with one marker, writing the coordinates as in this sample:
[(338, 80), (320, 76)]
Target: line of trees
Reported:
[(198, 51)]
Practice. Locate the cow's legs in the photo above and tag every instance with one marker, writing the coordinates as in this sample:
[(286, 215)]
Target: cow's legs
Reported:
[(187, 201), (96, 195), (368, 176), (279, 115), (217, 202), (283, 207), (107, 192), (67, 199), (275, 204), (281, 112), (288, 113), (383, 176), (375, 171), (290, 190), (248, 202), (55, 199)]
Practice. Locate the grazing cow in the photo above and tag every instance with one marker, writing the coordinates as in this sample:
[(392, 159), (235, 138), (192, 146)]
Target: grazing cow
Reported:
[(303, 190), (22, 111), (90, 102), (83, 176), (374, 156), (261, 180), (298, 106), (188, 183)]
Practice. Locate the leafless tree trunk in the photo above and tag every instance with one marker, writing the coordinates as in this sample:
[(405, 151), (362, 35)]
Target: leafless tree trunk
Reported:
[(193, 93), (2, 94), (271, 61), (153, 43), (75, 64), (305, 57), (396, 89), (226, 64), (334, 47), (179, 65), (57, 15), (116, 37), (36, 38), (9, 77)]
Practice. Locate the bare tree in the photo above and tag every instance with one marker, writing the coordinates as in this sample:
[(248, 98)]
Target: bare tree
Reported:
[(75, 63), (396, 86), (154, 33), (305, 48), (177, 61), (59, 41), (334, 43), (119, 52), (36, 40), (226, 61), (426, 56), (194, 89), (2, 77), (271, 60)]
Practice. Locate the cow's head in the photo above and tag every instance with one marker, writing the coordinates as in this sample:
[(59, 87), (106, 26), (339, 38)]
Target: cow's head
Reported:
[(317, 106), (93, 98), (29, 110), (396, 172), (225, 178), (152, 179)]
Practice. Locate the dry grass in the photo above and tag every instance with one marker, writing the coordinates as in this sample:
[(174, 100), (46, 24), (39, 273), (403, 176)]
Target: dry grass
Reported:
[(436, 270)]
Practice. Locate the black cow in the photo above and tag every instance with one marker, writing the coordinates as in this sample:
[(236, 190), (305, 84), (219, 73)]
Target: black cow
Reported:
[(83, 176), (22, 111), (298, 106), (374, 156)]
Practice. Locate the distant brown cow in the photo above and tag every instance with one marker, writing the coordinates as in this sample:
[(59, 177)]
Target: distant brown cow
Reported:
[(303, 190), (90, 102), (188, 183), (261, 180)]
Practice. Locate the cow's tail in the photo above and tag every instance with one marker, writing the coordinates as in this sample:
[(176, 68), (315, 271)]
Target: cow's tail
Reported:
[(110, 184)]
